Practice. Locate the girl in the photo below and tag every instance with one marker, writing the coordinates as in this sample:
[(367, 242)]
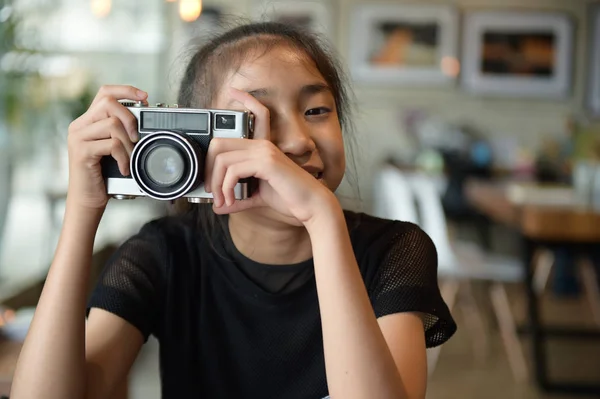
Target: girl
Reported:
[(283, 295)]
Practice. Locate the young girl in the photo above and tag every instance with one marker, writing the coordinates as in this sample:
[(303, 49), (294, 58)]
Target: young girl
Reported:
[(284, 295)]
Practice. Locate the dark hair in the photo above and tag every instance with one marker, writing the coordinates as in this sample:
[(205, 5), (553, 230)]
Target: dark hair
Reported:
[(209, 65)]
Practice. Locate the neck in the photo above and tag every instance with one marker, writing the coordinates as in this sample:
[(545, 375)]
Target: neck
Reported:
[(269, 241)]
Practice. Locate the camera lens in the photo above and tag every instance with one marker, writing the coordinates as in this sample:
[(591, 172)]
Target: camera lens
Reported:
[(167, 165), (164, 165)]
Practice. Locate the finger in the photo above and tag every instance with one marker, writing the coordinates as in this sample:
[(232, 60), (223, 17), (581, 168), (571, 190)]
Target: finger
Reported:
[(120, 92), (119, 153), (218, 147), (255, 201), (222, 163), (108, 95), (234, 173), (107, 128), (107, 147), (262, 121), (106, 108), (111, 107)]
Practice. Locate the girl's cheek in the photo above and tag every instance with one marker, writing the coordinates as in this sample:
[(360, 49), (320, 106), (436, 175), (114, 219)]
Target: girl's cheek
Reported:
[(332, 150)]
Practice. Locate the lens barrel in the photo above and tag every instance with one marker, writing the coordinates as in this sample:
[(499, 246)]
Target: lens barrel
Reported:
[(167, 165)]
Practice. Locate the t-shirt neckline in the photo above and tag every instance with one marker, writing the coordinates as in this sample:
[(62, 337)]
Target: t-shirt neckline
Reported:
[(256, 292)]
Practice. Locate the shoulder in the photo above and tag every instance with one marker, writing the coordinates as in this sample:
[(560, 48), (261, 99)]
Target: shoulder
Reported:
[(160, 237), (370, 233), (383, 244), (398, 263), (167, 228)]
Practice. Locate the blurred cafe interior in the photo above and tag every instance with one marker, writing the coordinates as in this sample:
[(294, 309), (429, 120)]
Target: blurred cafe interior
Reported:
[(478, 120)]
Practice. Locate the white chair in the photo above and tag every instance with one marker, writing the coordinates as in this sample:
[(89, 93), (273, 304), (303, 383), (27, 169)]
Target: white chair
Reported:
[(394, 200), (459, 264), (392, 197)]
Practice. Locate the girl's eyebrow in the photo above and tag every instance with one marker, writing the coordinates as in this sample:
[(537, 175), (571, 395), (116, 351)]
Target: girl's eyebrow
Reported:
[(312, 89), (259, 92), (305, 91)]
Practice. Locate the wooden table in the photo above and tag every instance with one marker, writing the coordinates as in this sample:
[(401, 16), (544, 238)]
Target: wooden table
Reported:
[(9, 352), (551, 218), (561, 220)]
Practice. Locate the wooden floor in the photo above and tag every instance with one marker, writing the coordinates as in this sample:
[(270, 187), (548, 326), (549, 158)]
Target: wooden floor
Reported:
[(458, 375)]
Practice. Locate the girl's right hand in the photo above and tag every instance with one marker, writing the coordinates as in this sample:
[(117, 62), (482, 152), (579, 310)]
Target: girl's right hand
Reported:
[(107, 128)]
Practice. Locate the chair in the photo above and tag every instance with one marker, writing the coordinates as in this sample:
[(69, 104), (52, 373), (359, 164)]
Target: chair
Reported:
[(393, 199), (460, 264)]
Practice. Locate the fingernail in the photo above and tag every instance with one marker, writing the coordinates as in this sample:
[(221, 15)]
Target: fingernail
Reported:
[(134, 136), (141, 94)]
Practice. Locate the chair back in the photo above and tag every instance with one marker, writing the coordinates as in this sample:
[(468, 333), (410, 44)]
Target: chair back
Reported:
[(393, 196), (432, 217)]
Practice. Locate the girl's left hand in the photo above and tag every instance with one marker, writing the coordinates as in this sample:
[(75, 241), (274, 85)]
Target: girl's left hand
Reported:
[(283, 185)]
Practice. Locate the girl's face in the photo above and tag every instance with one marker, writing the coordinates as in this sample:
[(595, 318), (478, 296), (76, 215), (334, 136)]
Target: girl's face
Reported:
[(303, 116)]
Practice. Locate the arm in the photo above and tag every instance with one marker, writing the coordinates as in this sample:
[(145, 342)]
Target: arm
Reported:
[(359, 361), (111, 346), (53, 361)]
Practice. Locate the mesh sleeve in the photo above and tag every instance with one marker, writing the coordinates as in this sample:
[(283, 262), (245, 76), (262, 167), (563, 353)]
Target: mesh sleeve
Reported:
[(130, 284), (407, 282)]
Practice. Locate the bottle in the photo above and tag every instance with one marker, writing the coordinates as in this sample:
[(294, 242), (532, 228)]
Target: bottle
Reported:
[(583, 181)]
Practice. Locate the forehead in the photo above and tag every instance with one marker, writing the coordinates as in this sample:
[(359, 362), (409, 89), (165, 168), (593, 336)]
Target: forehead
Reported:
[(274, 66)]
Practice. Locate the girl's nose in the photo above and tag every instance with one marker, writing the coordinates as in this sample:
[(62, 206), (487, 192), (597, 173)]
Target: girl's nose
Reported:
[(292, 136)]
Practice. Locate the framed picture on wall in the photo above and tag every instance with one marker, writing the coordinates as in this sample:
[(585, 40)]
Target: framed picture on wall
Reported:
[(518, 54), (404, 44), (315, 16), (594, 63)]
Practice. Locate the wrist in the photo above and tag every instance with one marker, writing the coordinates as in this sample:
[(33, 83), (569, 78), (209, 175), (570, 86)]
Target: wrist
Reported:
[(328, 215), (76, 212), (78, 230)]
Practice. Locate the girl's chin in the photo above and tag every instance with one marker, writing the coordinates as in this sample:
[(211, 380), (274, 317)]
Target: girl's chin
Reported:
[(270, 215), (275, 216)]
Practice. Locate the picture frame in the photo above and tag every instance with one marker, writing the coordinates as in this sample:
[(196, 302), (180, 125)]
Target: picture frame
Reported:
[(404, 44), (594, 63), (315, 16), (518, 54)]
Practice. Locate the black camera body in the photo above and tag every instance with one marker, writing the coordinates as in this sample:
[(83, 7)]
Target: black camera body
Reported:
[(167, 162)]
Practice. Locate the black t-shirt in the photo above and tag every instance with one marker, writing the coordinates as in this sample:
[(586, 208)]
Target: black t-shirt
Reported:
[(229, 327), (275, 279)]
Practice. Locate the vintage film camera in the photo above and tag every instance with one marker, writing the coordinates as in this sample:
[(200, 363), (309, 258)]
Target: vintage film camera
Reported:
[(167, 162)]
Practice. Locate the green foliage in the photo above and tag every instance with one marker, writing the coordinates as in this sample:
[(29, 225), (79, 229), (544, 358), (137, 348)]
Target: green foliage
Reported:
[(14, 81), (77, 106)]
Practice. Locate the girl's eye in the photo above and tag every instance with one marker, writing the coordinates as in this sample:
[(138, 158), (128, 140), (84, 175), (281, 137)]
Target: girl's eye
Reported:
[(317, 111)]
